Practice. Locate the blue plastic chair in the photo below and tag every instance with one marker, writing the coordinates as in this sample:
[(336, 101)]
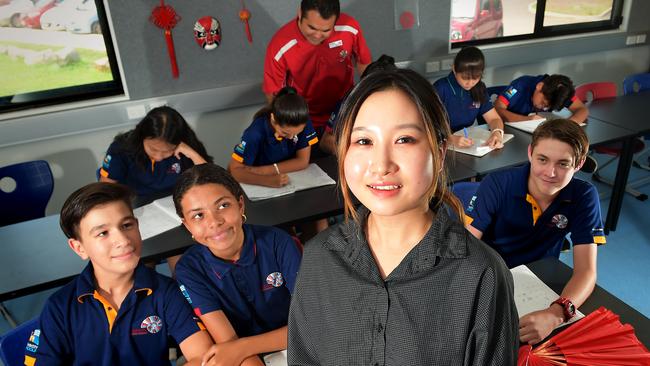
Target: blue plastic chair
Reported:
[(493, 93), (642, 82), (13, 343), (465, 191), (34, 186)]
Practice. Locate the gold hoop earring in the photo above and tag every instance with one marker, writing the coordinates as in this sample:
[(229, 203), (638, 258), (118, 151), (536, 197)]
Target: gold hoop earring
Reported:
[(193, 237), (243, 218)]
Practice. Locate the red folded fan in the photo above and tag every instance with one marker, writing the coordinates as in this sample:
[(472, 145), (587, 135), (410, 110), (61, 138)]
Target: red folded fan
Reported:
[(599, 339)]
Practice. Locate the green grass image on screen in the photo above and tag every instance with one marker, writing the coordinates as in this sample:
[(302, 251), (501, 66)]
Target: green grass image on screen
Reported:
[(18, 77)]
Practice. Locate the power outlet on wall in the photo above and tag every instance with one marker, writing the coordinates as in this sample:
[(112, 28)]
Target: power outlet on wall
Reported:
[(403, 64), (630, 40), (432, 66), (640, 39), (446, 63)]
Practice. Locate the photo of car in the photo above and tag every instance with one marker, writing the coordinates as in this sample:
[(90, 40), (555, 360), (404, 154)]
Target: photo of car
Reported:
[(32, 18), (84, 18), (476, 19), (10, 13)]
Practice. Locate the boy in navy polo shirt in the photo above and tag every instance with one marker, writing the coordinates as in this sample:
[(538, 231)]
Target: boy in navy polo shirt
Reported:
[(117, 311), (524, 213), (527, 95)]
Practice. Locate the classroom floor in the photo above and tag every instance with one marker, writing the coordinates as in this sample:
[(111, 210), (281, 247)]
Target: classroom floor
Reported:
[(623, 268)]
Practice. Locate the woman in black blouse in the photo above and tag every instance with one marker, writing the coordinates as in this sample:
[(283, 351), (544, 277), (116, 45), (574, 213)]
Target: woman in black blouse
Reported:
[(401, 282)]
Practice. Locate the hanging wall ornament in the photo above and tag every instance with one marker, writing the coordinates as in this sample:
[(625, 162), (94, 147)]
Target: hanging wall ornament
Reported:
[(207, 33), (244, 16), (165, 17)]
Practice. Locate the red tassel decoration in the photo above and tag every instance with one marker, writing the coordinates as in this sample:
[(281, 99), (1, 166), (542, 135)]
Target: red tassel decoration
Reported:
[(244, 16), (166, 18)]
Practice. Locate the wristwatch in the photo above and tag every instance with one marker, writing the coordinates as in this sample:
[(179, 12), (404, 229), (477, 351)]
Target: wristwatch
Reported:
[(567, 307)]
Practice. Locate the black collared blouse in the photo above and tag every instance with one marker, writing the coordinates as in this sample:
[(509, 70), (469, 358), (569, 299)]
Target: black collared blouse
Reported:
[(449, 302)]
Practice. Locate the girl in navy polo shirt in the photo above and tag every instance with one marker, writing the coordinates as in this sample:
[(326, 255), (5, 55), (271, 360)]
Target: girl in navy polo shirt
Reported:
[(277, 142), (240, 277), (151, 157), (465, 98)]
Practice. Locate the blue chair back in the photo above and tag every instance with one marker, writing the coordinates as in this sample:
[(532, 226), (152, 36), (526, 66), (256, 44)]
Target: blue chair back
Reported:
[(493, 93), (34, 186), (13, 343), (465, 191), (642, 80)]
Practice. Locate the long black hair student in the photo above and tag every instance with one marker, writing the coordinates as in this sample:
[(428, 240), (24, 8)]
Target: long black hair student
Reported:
[(470, 64), (163, 123), (150, 157), (465, 98)]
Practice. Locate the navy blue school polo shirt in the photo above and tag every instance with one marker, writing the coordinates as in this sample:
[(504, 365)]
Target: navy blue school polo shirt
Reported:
[(461, 109), (78, 327), (255, 291), (511, 224), (259, 146), (156, 178), (518, 96)]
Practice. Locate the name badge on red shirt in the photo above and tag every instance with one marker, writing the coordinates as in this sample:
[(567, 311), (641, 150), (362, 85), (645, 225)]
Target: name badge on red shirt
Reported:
[(334, 44)]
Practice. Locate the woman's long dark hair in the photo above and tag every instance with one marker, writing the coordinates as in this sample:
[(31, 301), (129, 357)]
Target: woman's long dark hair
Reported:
[(470, 62), (164, 123), (288, 108)]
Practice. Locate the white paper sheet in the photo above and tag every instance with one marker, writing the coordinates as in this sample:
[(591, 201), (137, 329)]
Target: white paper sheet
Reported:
[(156, 217), (479, 134), (531, 294), (526, 126), (311, 177), (276, 359)]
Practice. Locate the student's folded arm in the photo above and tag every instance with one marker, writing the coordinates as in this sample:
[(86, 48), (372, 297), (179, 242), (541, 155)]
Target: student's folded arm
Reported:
[(107, 179), (190, 153), (195, 346), (247, 174), (493, 119), (579, 111), (300, 162), (228, 350), (583, 280), (507, 115)]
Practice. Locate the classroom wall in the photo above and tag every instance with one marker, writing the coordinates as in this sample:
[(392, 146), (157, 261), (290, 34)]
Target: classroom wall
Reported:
[(220, 103)]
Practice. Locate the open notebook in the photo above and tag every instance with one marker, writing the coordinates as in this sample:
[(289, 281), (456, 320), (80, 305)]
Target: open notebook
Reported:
[(311, 177), (479, 134), (157, 217), (530, 126), (531, 294)]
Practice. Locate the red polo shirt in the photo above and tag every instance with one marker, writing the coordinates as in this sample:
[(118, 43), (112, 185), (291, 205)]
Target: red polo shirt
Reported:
[(323, 73)]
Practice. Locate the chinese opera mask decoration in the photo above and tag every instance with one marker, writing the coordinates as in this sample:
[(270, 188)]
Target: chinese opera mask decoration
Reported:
[(207, 33)]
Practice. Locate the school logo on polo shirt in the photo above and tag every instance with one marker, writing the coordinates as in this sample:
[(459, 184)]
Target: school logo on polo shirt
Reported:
[(32, 343), (511, 92), (342, 55), (275, 279), (175, 168), (152, 324), (107, 161), (240, 147), (560, 221), (186, 294)]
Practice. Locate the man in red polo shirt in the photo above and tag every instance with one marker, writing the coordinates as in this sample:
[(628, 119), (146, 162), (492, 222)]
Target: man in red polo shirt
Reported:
[(316, 53)]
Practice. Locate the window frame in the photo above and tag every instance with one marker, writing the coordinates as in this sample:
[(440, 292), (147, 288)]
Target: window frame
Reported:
[(541, 32), (79, 93)]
